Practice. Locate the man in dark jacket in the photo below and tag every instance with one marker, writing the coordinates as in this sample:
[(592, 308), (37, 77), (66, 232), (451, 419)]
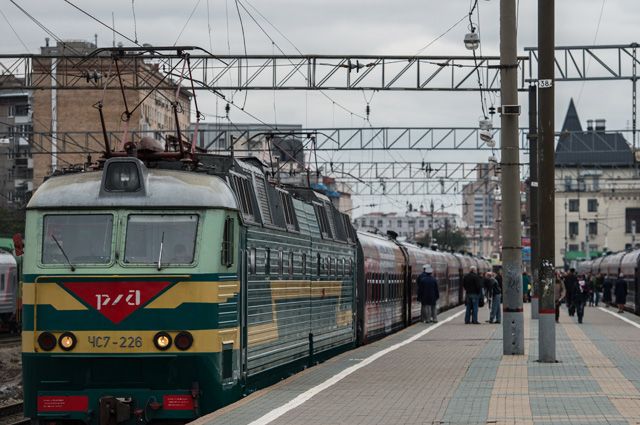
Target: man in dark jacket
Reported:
[(620, 292), (570, 284), (607, 284), (428, 295), (579, 297), (472, 284)]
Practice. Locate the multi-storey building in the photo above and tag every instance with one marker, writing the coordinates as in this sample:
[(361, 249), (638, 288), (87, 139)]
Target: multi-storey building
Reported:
[(16, 162), (597, 201), (481, 209), (66, 122), (414, 225)]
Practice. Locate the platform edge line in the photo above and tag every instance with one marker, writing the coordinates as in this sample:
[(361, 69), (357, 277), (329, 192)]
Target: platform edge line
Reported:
[(624, 319), (305, 396)]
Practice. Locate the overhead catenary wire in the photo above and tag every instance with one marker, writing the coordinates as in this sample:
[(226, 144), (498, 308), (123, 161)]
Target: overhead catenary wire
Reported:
[(14, 31), (187, 22)]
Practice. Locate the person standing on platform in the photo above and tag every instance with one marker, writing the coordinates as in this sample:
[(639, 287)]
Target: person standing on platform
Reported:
[(428, 295), (621, 293), (591, 284), (495, 295), (579, 298), (472, 285), (599, 282), (570, 284), (559, 294), (607, 285)]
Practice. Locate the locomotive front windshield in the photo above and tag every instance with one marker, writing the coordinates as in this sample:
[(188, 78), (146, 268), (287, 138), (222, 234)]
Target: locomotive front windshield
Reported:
[(161, 239), (82, 238)]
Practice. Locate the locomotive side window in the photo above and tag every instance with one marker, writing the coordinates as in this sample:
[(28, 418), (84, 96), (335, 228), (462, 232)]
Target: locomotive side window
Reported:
[(77, 239), (162, 239), (227, 243), (267, 261), (304, 265), (2, 282), (252, 261)]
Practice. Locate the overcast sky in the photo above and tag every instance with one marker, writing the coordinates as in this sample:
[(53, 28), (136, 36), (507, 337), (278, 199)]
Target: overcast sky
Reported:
[(348, 27)]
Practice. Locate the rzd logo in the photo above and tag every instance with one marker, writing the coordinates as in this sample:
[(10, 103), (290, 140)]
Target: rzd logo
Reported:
[(116, 300), (132, 298)]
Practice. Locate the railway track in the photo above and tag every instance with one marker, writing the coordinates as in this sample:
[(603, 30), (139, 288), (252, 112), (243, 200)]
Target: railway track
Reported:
[(11, 414), (9, 339)]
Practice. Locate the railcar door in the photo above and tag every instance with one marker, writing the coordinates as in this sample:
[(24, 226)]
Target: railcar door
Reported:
[(361, 295)]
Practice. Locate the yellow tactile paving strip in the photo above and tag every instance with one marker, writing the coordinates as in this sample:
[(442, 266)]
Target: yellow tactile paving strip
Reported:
[(510, 396), (620, 391)]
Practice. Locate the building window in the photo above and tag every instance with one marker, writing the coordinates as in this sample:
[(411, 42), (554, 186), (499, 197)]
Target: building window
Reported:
[(592, 205), (631, 215), (574, 205), (568, 185), (421, 223), (371, 223), (399, 223), (379, 223), (593, 228), (573, 229), (573, 248)]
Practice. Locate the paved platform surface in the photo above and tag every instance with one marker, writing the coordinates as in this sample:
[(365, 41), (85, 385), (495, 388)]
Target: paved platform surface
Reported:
[(453, 373)]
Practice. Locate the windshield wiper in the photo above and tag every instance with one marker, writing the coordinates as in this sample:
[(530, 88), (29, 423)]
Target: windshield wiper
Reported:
[(160, 254), (73, 269)]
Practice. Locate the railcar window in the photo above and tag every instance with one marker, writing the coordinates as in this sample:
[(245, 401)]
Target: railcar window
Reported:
[(280, 262), (161, 239), (83, 238)]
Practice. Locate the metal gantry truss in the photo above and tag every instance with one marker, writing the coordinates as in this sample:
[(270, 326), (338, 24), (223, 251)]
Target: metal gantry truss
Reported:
[(314, 72)]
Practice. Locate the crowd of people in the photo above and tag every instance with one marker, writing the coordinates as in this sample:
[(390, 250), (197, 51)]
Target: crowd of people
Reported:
[(576, 291), (579, 290)]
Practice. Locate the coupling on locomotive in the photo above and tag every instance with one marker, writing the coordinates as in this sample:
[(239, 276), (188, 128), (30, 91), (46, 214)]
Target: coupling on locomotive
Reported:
[(159, 292)]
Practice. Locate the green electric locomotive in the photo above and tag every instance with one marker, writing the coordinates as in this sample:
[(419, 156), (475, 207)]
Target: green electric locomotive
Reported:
[(154, 291)]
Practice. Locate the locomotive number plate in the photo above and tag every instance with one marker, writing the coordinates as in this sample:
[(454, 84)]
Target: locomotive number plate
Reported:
[(107, 341)]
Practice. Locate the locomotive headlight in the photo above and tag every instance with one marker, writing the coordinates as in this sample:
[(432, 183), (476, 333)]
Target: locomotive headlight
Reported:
[(67, 341), (183, 340), (162, 341), (122, 177), (47, 341)]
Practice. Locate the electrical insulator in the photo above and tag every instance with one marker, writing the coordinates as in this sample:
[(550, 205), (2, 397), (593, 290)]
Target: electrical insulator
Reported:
[(368, 110), (227, 108)]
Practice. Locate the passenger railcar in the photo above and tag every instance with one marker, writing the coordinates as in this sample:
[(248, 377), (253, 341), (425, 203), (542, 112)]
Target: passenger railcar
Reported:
[(9, 290), (612, 266)]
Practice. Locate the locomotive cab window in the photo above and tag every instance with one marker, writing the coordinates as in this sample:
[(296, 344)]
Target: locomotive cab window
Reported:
[(161, 239), (77, 239)]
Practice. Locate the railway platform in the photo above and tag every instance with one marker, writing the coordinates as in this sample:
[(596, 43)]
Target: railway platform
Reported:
[(452, 373)]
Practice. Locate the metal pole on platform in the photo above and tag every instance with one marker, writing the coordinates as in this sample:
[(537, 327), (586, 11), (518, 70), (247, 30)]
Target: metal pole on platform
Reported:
[(546, 173), (533, 198), (513, 321)]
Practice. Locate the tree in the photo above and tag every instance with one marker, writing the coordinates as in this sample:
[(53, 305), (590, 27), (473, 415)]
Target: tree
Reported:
[(446, 238), (11, 222)]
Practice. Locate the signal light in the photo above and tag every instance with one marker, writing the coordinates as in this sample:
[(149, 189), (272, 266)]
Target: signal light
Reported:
[(162, 341), (67, 341), (183, 341), (47, 341)]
